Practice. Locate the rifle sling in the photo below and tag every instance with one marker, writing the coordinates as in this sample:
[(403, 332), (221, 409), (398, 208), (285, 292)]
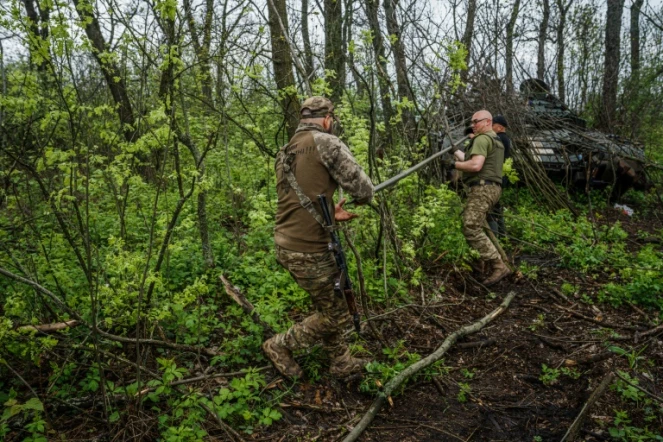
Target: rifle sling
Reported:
[(305, 201)]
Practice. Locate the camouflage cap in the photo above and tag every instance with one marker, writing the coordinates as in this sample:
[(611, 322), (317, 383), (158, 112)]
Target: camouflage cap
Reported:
[(316, 107)]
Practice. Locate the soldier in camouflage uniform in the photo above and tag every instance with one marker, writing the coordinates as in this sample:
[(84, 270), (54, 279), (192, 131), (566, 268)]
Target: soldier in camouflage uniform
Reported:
[(481, 165), (314, 162)]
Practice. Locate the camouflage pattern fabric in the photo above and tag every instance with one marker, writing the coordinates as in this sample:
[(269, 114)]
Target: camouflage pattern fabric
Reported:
[(343, 167), (317, 106), (480, 201), (317, 163), (315, 273)]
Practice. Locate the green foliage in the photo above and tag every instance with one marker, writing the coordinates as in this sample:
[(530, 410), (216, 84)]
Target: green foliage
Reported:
[(398, 359), (531, 271), (32, 410), (623, 431), (464, 391), (538, 322), (550, 375), (241, 402), (457, 54)]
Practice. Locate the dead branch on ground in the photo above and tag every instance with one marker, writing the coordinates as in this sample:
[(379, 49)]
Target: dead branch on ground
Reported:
[(425, 362), (574, 429)]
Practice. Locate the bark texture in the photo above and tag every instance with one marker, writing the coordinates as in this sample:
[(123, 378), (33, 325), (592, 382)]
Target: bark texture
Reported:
[(334, 54), (613, 27), (543, 36), (372, 9), (467, 36), (283, 64), (398, 49), (561, 47), (111, 72), (510, 29)]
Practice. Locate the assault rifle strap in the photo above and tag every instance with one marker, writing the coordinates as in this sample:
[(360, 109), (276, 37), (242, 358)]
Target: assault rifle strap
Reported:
[(305, 201)]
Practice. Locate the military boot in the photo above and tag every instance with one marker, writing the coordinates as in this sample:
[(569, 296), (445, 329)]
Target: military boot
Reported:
[(479, 266), (344, 364), (500, 271), (281, 358)]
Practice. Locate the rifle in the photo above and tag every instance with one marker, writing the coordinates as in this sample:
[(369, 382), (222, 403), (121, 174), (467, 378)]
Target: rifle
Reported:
[(343, 284)]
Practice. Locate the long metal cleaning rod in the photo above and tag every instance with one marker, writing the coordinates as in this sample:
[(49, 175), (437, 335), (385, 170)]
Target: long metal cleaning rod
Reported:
[(393, 180)]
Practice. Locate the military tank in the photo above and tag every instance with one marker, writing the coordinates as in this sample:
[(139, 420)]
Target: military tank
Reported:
[(558, 139)]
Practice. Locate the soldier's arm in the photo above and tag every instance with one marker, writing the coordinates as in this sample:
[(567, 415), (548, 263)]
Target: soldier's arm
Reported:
[(345, 170), (478, 158), (474, 164)]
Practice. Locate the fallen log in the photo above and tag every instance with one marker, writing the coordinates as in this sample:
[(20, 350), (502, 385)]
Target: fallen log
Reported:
[(574, 429), (398, 380)]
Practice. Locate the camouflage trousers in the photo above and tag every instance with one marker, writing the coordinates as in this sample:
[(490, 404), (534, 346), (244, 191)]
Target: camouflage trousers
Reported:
[(480, 200), (315, 273)]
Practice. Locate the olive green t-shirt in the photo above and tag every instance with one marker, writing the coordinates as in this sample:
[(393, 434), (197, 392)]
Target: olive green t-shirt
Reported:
[(489, 146)]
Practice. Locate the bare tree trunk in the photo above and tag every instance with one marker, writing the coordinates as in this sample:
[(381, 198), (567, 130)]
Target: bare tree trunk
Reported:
[(334, 54), (372, 7), (467, 36), (543, 35), (283, 64), (613, 27), (561, 47), (509, 46), (397, 47), (349, 22), (308, 52), (110, 70), (635, 62), (39, 30)]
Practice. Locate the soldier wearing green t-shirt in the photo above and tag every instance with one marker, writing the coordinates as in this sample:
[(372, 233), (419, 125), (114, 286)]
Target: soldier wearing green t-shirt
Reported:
[(481, 165)]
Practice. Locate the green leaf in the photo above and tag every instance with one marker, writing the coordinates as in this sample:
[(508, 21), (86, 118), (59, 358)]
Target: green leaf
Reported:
[(33, 404)]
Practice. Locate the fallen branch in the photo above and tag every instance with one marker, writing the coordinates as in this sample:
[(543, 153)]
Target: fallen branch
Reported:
[(46, 328), (45, 292), (246, 305), (574, 429), (651, 395), (589, 360), (596, 321), (425, 362), (479, 344)]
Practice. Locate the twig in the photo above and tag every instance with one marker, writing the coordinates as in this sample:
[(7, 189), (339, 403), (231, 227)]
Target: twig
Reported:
[(44, 291), (362, 291), (651, 395), (45, 328), (246, 305), (595, 321), (574, 429), (430, 427), (427, 361), (479, 344), (589, 360)]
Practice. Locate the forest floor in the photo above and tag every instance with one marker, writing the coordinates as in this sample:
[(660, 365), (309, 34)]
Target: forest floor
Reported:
[(524, 377), (496, 391)]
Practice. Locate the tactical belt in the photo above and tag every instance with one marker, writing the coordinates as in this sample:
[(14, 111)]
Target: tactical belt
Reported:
[(484, 183), (305, 201)]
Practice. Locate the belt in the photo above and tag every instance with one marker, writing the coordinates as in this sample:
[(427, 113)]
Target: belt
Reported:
[(484, 183)]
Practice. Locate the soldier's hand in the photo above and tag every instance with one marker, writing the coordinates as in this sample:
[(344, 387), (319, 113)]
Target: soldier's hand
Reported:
[(342, 215)]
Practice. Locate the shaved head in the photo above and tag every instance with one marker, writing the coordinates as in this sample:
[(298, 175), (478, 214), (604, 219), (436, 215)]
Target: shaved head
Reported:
[(482, 122)]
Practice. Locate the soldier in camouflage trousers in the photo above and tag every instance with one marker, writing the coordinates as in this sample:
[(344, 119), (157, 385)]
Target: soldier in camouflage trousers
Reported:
[(314, 162), (481, 165)]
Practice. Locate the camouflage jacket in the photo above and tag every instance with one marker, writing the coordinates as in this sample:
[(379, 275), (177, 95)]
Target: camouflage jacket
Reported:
[(320, 163)]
